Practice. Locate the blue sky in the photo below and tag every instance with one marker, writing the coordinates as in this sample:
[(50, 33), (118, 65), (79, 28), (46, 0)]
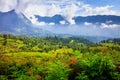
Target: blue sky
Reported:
[(102, 2), (115, 3)]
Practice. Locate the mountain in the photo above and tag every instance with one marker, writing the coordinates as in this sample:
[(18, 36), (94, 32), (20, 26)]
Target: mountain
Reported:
[(95, 39), (97, 19), (11, 22), (112, 40), (54, 19), (15, 23), (108, 19)]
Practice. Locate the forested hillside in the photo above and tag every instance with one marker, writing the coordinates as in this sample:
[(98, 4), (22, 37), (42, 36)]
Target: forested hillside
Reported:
[(54, 58), (14, 43)]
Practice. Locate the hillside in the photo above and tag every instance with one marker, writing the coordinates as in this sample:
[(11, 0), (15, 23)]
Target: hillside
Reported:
[(54, 58), (112, 40), (98, 19), (23, 43)]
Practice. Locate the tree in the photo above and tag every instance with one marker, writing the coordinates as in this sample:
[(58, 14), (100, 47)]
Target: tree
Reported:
[(5, 39)]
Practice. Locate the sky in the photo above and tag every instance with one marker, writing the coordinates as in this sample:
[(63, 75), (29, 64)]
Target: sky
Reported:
[(102, 2), (67, 8)]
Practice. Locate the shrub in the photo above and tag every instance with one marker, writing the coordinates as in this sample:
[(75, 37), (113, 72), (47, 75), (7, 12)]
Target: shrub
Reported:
[(57, 71), (95, 67), (2, 77), (82, 76)]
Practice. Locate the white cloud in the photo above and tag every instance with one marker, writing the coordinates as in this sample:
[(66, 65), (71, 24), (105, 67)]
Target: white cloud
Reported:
[(51, 24), (33, 19), (88, 24), (69, 12), (20, 29), (40, 23), (109, 21), (103, 25), (7, 5), (103, 10), (50, 10), (23, 4), (62, 22), (67, 8)]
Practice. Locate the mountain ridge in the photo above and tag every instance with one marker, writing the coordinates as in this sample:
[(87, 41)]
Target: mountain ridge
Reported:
[(95, 19), (108, 19), (11, 22)]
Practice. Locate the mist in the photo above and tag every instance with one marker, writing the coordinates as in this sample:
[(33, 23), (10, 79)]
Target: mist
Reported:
[(85, 30)]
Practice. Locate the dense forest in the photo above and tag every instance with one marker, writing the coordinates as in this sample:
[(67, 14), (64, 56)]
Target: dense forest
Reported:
[(55, 58)]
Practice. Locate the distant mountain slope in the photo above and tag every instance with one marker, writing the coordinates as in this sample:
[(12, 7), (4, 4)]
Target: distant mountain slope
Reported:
[(98, 19), (109, 19), (11, 22), (54, 19), (112, 40)]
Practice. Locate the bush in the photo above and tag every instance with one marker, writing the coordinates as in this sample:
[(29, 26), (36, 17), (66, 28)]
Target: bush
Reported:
[(57, 71), (82, 76), (2, 77), (95, 67)]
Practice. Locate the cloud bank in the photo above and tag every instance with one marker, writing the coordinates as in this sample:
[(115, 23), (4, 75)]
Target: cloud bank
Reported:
[(7, 5), (87, 29)]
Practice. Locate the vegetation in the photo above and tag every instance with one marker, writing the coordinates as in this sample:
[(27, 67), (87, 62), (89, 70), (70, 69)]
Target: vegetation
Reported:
[(53, 58), (114, 40)]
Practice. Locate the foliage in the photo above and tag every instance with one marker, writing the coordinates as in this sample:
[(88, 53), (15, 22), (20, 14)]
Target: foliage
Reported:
[(53, 58), (12, 43), (57, 71)]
